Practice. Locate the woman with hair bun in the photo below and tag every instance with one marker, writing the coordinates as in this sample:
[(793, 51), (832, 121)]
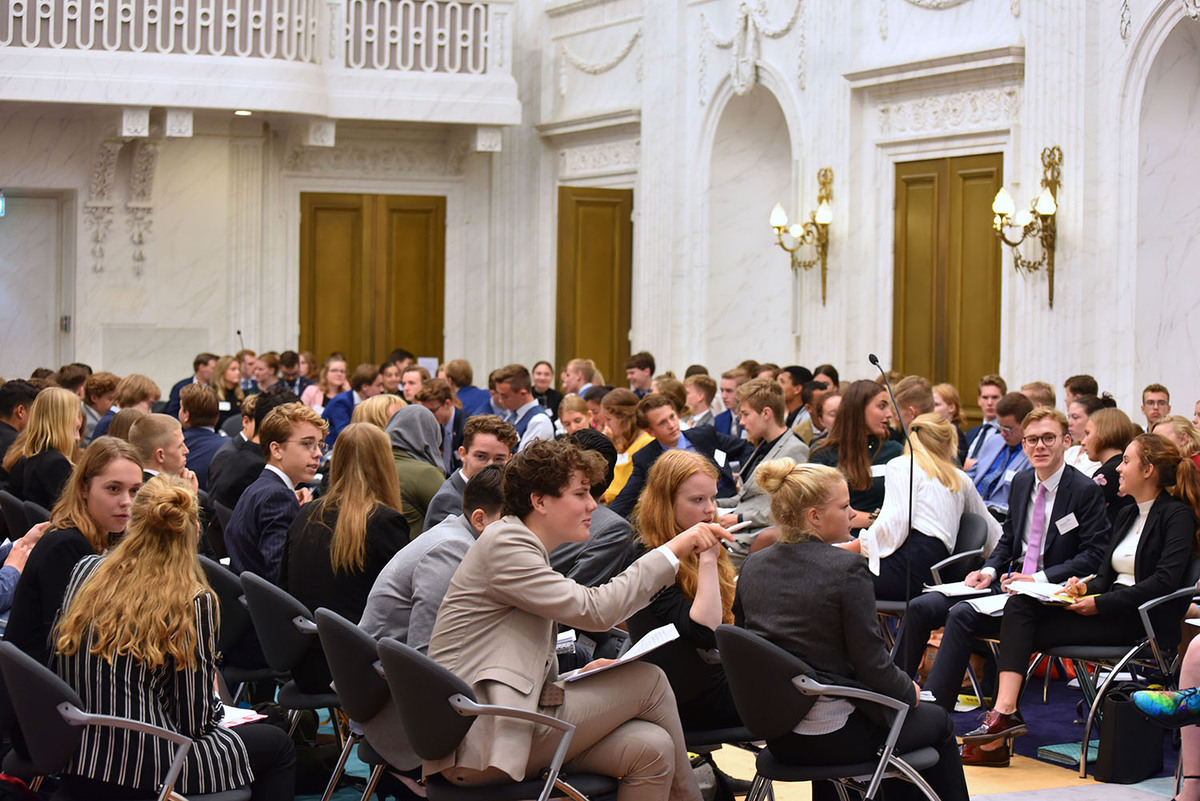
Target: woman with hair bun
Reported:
[(899, 551), (681, 492), (818, 603), (137, 639), (1150, 548)]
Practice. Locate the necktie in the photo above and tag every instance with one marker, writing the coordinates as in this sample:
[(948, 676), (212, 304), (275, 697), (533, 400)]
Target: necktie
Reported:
[(995, 472), (1037, 529), (980, 436)]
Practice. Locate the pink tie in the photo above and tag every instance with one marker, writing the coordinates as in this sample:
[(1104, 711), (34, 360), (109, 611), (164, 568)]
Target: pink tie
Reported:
[(1037, 528)]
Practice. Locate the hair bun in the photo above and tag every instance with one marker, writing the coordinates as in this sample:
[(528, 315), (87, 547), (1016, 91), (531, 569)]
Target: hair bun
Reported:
[(771, 475), (169, 503)]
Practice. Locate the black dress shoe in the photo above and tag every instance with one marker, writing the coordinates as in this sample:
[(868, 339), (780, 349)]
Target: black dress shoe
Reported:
[(995, 758), (996, 725)]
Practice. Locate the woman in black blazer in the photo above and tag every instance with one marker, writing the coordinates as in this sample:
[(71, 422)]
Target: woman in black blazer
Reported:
[(1106, 435), (337, 544), (40, 459), (1148, 556), (818, 602)]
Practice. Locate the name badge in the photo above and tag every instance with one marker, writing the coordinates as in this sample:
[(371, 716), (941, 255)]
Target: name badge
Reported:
[(1009, 475), (719, 457), (878, 470), (1067, 523), (224, 406), (622, 458)]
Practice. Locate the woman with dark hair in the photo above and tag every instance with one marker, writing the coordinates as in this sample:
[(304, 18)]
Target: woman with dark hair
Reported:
[(681, 492), (828, 619), (544, 392), (39, 461), (1078, 411), (89, 516), (1148, 554), (859, 447), (620, 415), (138, 639), (495, 630), (1106, 434)]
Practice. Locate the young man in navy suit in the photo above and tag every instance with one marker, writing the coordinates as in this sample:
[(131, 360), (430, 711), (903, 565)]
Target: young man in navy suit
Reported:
[(198, 412), (726, 422), (202, 372), (1071, 542), (656, 414), (292, 439)]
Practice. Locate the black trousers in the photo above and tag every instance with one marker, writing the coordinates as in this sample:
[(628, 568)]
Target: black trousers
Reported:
[(1030, 626), (903, 573), (860, 739), (712, 709), (272, 759)]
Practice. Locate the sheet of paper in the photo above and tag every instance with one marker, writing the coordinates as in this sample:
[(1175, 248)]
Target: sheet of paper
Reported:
[(236, 716), (992, 605), (655, 639), (1042, 590), (954, 589)]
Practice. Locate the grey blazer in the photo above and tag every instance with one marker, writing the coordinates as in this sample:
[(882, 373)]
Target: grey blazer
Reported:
[(447, 501), (604, 554), (754, 503), (496, 632)]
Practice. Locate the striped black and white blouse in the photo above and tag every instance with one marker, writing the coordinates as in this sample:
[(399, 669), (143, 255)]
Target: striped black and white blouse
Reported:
[(181, 700)]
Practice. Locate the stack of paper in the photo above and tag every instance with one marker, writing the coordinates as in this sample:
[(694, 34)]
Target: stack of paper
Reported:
[(655, 639)]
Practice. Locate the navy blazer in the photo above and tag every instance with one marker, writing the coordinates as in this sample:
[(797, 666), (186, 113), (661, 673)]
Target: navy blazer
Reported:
[(725, 423), (202, 444), (172, 407), (1075, 552), (707, 441), (456, 439), (475, 401), (1160, 562), (337, 413), (234, 467), (257, 531)]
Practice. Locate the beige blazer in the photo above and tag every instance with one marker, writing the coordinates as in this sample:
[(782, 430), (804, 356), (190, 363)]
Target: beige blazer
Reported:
[(496, 630)]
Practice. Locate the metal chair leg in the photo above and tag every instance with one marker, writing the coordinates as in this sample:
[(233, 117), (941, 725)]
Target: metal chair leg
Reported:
[(340, 767), (376, 772)]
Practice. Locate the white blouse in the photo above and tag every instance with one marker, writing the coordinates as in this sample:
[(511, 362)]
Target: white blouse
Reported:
[(1077, 457), (1126, 552), (936, 512)]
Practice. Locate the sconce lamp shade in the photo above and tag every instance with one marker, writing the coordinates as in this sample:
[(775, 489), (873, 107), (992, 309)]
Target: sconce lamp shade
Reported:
[(797, 231), (1045, 203), (824, 213), (778, 217), (1023, 218), (1004, 204)]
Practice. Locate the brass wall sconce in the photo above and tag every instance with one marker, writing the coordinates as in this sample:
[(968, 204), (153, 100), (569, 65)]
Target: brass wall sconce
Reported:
[(1037, 221), (814, 231)]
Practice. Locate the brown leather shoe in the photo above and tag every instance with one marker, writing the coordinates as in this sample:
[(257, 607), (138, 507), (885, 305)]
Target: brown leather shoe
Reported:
[(997, 725), (995, 758)]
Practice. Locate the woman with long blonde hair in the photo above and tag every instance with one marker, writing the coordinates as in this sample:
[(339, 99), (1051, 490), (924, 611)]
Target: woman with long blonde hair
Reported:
[(137, 639), (900, 551), (333, 382), (91, 513), (681, 493), (40, 459), (227, 381), (337, 545), (816, 602), (377, 410)]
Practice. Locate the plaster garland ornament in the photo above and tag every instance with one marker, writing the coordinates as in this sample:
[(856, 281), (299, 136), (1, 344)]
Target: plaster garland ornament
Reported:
[(751, 23), (1192, 9), (1015, 7), (883, 20), (98, 210), (956, 111), (936, 5), (600, 159), (403, 158), (1126, 20), (140, 205), (565, 57)]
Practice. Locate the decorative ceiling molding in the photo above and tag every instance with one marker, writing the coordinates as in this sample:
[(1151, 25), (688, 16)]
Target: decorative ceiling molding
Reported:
[(751, 23), (565, 57), (598, 159), (936, 5), (956, 111), (378, 159)]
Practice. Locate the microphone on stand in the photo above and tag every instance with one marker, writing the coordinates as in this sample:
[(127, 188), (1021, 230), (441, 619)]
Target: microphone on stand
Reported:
[(241, 341), (911, 472)]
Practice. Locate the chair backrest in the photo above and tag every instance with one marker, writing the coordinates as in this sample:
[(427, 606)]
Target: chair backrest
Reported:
[(272, 611), (760, 678), (223, 514), (972, 535), (13, 509), (235, 618), (35, 513), (51, 741), (351, 654), (421, 690)]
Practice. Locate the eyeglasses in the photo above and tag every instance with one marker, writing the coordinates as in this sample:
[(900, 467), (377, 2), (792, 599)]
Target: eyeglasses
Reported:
[(312, 445), (1045, 439), (1006, 430), (1159, 403)]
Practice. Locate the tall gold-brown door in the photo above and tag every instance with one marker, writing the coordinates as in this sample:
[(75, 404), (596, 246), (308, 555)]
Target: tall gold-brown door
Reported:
[(947, 272), (595, 268), (372, 273)]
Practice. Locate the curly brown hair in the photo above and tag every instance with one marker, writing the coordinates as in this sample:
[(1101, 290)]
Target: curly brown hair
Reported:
[(546, 468)]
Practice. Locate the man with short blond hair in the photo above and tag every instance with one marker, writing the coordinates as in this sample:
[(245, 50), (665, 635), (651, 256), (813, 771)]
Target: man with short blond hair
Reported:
[(577, 377), (1041, 393), (158, 439), (134, 391), (726, 422), (472, 399), (700, 390), (991, 389)]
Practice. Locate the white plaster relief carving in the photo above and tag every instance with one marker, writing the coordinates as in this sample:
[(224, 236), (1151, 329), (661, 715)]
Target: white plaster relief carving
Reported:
[(97, 211), (566, 57), (320, 133), (883, 20), (1192, 9), (1015, 7), (599, 159), (140, 205), (376, 158), (961, 110), (179, 123), (1126, 20), (936, 5), (98, 220), (135, 122), (751, 23), (488, 139)]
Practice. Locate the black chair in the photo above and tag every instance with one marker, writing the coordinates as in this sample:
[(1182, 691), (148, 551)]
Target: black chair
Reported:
[(352, 654), (967, 556), (235, 628), (224, 513), (287, 632), (438, 709), (13, 509), (16, 761), (52, 720), (774, 690), (35, 513)]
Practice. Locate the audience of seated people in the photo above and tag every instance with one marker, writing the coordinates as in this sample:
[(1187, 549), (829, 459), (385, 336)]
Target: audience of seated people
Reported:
[(1065, 496)]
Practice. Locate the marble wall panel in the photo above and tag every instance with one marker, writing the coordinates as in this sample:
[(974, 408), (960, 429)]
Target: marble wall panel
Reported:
[(901, 31), (30, 250)]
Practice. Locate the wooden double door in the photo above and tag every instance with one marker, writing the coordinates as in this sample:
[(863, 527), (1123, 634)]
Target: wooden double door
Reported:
[(946, 323), (372, 275)]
